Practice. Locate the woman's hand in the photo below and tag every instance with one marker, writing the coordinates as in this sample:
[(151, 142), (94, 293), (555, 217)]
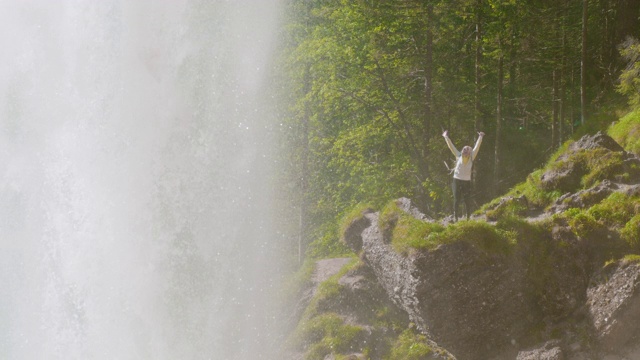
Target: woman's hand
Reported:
[(445, 133), (481, 134)]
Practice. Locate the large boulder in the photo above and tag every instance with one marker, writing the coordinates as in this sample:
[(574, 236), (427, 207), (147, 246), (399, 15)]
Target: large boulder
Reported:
[(584, 198), (614, 305), (470, 302), (567, 171)]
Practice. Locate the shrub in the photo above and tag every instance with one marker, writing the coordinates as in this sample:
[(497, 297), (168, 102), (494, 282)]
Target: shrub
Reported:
[(328, 244)]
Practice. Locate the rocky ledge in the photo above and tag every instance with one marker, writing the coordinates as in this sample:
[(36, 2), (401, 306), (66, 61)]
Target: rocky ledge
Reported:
[(480, 305)]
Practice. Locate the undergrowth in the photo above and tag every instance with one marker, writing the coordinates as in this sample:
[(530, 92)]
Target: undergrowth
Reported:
[(627, 131)]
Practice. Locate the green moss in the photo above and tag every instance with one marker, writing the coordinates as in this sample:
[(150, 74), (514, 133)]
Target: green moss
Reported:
[(631, 231), (389, 216), (512, 208), (353, 215), (328, 334), (324, 333), (601, 164), (616, 210), (533, 191), (597, 164), (580, 221), (410, 346), (631, 258), (478, 233), (329, 289), (627, 131), (406, 231), (518, 228)]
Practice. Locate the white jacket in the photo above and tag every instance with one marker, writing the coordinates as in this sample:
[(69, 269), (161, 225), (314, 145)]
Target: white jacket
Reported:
[(462, 170)]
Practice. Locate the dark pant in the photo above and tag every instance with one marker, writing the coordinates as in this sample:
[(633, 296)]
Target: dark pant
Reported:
[(461, 191)]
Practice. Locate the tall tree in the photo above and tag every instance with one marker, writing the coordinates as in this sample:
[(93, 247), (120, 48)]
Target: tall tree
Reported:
[(583, 64)]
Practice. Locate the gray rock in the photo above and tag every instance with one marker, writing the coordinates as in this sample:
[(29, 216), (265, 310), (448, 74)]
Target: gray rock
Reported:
[(549, 351), (614, 305)]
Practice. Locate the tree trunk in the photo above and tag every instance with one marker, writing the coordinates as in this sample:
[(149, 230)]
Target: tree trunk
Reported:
[(627, 20), (478, 60), (497, 171), (477, 114), (428, 99), (428, 74), (561, 112), (554, 111), (583, 65), (304, 171)]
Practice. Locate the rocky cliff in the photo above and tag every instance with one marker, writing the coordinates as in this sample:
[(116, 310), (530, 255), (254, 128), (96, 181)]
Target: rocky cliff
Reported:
[(526, 279)]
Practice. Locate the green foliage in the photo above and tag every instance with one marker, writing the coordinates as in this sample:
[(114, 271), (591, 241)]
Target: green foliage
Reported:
[(367, 87), (627, 131), (629, 84), (328, 243), (411, 346)]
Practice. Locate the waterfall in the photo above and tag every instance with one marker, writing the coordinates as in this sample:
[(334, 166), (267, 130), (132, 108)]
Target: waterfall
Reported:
[(134, 179)]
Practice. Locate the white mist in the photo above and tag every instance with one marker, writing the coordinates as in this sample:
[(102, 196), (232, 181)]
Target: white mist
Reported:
[(134, 158)]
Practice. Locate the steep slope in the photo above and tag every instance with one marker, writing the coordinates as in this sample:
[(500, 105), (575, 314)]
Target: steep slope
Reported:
[(545, 272)]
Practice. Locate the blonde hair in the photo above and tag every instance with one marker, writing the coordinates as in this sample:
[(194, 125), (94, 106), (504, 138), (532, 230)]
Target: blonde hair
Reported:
[(466, 151)]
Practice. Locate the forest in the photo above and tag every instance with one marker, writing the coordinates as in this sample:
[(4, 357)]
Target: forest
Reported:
[(367, 88)]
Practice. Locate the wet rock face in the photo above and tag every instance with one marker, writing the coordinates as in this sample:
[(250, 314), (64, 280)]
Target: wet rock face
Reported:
[(471, 303), (614, 305), (481, 305), (353, 234), (551, 350), (474, 304)]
